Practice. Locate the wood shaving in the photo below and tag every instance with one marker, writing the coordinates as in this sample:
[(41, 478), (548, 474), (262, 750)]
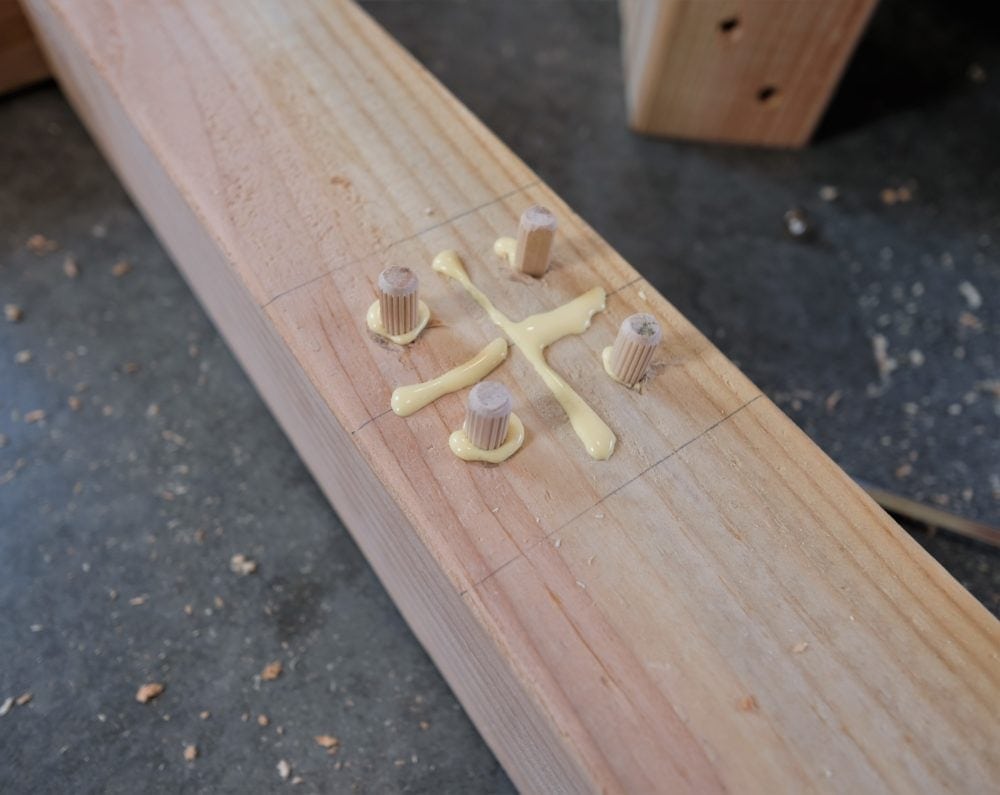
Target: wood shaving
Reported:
[(263, 720), (284, 769), (136, 601), (70, 267), (832, 400), (747, 704), (40, 244), (148, 692), (190, 753), (327, 741), (904, 471), (13, 313), (242, 565), (204, 714), (34, 416), (271, 671), (120, 268), (798, 648), (880, 351), (22, 699), (969, 320), (6, 706)]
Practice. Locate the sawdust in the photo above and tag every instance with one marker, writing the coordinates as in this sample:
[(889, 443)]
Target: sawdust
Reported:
[(242, 565), (148, 692)]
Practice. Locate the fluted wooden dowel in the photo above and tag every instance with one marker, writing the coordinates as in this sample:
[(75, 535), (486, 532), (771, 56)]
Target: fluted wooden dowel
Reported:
[(397, 297), (488, 415), (634, 347), (535, 235)]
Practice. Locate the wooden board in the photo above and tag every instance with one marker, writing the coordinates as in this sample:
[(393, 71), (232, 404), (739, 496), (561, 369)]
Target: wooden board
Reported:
[(21, 62), (717, 607), (737, 71)]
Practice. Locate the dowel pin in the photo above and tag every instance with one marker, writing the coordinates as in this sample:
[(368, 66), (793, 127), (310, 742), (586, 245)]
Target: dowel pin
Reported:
[(634, 347), (397, 299), (488, 415), (535, 235)]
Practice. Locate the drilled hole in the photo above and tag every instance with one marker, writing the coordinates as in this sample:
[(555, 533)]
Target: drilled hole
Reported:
[(768, 95), (730, 28), (729, 24)]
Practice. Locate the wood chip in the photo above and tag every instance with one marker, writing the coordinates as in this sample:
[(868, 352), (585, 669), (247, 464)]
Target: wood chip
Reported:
[(22, 357), (70, 267), (327, 741), (148, 692), (263, 720), (284, 769), (22, 699), (120, 268), (204, 714), (242, 565), (798, 648), (747, 704), (6, 706), (271, 671), (34, 416), (136, 601), (40, 244), (74, 403), (190, 753), (13, 313)]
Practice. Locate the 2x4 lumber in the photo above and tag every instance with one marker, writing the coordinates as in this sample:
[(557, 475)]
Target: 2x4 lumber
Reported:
[(716, 607), (21, 61), (736, 71)]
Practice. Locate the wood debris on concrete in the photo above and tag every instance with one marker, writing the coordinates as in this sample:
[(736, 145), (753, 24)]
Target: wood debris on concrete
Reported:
[(13, 313), (37, 415), (121, 268), (190, 753), (71, 267), (327, 741), (148, 692), (242, 565), (40, 244), (284, 769), (271, 671)]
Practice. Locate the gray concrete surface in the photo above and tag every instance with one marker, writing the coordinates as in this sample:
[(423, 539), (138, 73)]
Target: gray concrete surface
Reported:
[(119, 514)]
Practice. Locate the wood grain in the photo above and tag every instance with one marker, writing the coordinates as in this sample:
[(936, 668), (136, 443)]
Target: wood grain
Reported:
[(630, 625), (737, 71), (21, 61)]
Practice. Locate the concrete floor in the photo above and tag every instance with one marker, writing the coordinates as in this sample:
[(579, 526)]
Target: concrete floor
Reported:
[(156, 462)]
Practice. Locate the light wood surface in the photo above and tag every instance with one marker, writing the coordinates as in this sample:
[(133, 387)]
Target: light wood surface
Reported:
[(737, 71), (21, 61), (715, 608)]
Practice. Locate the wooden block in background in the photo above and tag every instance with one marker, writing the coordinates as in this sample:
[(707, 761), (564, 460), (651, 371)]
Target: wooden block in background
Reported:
[(21, 61), (736, 71)]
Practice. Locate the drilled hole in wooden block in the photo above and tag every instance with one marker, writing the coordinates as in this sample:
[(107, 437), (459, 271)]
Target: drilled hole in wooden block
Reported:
[(731, 29), (769, 95)]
